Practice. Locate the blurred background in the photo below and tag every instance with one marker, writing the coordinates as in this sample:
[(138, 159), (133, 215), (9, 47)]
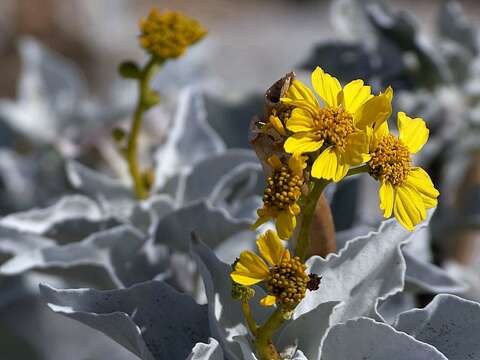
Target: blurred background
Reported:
[(60, 97), (249, 45)]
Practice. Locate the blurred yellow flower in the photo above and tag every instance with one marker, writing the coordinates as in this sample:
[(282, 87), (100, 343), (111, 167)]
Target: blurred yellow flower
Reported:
[(282, 193), (285, 276), (167, 35), (337, 128), (405, 190)]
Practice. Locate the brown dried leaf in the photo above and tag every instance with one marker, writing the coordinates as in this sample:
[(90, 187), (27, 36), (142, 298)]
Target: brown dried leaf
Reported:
[(322, 230), (265, 140)]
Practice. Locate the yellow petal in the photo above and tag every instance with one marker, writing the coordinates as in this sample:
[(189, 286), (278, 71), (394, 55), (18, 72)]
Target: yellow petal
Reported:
[(300, 120), (328, 166), (300, 95), (375, 111), (302, 143), (268, 300), (297, 163), (264, 214), (386, 193), (250, 269), (355, 94), (412, 132), (409, 208), (381, 130), (285, 224), (420, 181), (270, 247), (260, 221), (326, 86), (295, 209), (277, 125), (274, 162), (356, 149)]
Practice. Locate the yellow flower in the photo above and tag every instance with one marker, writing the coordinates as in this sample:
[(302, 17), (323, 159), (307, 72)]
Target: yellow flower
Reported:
[(337, 128), (285, 276), (282, 193), (405, 190), (167, 35)]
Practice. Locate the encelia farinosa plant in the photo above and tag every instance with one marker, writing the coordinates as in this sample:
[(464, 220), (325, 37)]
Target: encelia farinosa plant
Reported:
[(307, 138), (323, 136)]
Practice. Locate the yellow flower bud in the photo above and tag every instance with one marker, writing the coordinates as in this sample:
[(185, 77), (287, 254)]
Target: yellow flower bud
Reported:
[(167, 35)]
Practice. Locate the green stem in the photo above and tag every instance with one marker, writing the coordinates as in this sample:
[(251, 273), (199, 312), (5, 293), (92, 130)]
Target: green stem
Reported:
[(131, 152), (303, 241), (358, 170), (247, 313), (263, 342)]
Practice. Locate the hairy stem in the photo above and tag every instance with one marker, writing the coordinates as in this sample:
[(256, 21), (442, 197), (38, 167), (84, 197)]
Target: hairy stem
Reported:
[(247, 313), (303, 242), (263, 342), (131, 152)]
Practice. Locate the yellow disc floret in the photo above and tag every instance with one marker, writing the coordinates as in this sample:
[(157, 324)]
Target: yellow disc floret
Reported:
[(283, 189), (288, 282), (334, 125), (390, 161), (281, 196), (167, 35)]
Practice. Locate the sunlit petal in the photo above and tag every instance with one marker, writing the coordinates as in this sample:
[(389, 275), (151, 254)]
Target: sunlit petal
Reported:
[(302, 143), (326, 86), (270, 247), (412, 132)]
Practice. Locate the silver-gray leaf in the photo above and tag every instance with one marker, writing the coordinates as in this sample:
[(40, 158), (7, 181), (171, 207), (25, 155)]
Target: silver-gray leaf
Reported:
[(210, 351), (150, 319), (213, 225), (367, 269), (449, 323), (307, 331), (365, 338)]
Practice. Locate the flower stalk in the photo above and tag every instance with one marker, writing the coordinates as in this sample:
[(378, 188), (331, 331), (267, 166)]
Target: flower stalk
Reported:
[(247, 313), (266, 350), (146, 99), (164, 36)]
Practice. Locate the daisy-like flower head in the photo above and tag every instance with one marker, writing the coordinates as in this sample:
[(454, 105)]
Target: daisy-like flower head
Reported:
[(405, 190), (285, 277), (337, 128), (167, 35), (280, 198)]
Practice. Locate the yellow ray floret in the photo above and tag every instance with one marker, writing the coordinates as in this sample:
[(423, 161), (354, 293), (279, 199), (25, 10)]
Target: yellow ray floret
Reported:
[(405, 191), (337, 129)]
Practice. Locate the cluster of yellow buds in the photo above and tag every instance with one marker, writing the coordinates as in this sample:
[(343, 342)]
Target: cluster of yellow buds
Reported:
[(167, 35)]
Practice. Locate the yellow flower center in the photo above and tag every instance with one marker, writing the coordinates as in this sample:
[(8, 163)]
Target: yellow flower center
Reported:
[(283, 189), (390, 161), (167, 35), (288, 282), (333, 125)]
